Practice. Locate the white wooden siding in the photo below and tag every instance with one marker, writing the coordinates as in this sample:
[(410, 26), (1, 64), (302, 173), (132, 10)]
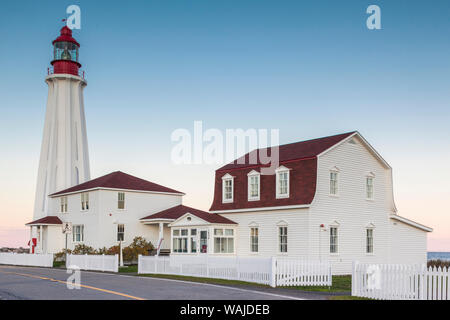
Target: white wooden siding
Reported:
[(353, 212), (267, 223), (408, 244)]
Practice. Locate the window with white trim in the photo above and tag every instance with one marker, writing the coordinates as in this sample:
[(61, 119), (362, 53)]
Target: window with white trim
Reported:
[(63, 205), (78, 233), (193, 240), (369, 187), (223, 241), (283, 239), (333, 240), (120, 232), (180, 240), (253, 186), (369, 240), (85, 201), (254, 239), (121, 200), (227, 188), (333, 183), (282, 181)]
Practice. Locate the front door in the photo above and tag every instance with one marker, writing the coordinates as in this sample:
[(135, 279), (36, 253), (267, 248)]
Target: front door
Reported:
[(203, 241)]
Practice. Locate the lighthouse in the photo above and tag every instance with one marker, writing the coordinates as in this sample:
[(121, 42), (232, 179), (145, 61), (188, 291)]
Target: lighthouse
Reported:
[(64, 159)]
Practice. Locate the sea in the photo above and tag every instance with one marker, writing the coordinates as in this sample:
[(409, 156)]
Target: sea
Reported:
[(439, 255)]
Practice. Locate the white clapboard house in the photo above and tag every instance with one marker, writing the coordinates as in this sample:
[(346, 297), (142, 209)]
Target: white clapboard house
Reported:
[(329, 199)]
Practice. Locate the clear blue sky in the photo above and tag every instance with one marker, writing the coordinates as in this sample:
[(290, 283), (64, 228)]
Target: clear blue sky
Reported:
[(308, 68)]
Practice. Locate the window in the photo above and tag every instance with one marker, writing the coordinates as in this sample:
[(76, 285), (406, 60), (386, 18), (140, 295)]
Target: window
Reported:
[(84, 201), (282, 236), (369, 187), (333, 183), (254, 232), (227, 188), (369, 240), (333, 240), (180, 241), (120, 232), (253, 185), (223, 241), (282, 181), (121, 200), (193, 240), (63, 204), (78, 233)]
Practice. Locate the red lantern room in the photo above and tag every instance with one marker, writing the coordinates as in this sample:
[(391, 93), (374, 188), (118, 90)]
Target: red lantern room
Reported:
[(65, 53)]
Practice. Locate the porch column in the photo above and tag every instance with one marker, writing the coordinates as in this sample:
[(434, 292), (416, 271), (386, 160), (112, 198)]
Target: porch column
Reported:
[(40, 239), (31, 239), (161, 235), (161, 230)]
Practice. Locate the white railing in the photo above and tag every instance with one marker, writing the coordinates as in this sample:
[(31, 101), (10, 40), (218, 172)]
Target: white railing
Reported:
[(294, 272), (271, 271), (93, 262), (400, 282), (25, 259)]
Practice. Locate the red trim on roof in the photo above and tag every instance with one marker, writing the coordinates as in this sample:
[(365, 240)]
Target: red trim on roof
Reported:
[(180, 210), (300, 157), (46, 220), (118, 180)]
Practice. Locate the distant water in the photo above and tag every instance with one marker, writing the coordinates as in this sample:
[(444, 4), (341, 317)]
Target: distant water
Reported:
[(439, 255)]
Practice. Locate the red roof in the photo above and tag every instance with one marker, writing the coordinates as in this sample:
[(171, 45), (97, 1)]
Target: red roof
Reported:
[(178, 211), (66, 35), (46, 220), (299, 157), (292, 151), (118, 180)]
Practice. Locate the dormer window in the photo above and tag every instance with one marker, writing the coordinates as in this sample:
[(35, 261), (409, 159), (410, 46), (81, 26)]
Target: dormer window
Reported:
[(227, 188), (63, 204), (84, 201), (253, 185), (282, 181)]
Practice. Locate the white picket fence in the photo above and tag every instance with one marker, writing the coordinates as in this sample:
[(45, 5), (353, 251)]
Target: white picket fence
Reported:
[(271, 271), (93, 262), (25, 259), (400, 282)]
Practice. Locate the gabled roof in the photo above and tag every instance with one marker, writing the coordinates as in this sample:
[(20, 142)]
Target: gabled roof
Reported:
[(293, 151), (180, 210), (49, 220), (118, 180)]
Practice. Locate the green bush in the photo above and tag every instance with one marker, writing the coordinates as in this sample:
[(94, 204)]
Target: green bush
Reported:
[(83, 249), (139, 246)]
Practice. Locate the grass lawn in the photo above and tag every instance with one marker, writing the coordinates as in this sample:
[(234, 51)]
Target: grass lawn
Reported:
[(340, 283), (201, 280), (129, 269), (346, 298), (59, 264)]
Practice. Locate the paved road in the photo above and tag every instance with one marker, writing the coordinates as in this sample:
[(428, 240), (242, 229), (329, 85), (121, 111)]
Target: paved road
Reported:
[(27, 283)]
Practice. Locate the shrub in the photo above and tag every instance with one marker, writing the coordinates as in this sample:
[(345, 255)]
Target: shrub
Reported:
[(438, 263), (83, 249), (61, 256)]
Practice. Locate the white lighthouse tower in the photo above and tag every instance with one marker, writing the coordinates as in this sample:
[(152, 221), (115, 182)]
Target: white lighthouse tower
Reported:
[(64, 160)]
